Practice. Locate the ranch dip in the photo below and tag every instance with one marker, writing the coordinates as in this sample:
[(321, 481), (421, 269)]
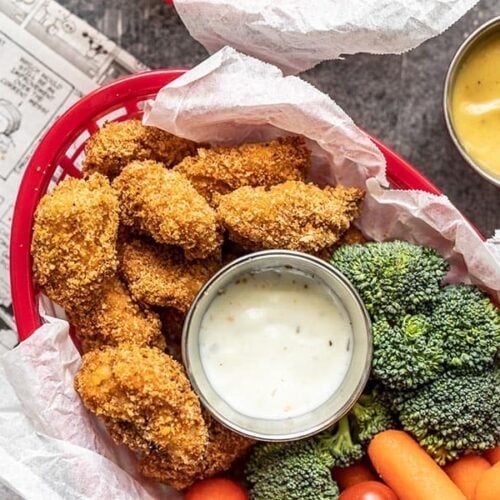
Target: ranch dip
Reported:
[(275, 345)]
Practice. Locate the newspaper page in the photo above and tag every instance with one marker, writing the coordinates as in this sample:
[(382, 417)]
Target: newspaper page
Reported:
[(49, 58)]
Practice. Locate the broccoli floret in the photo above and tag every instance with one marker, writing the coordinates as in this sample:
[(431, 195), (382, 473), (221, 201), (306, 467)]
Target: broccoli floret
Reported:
[(301, 469), (406, 353), (371, 415), (346, 442), (393, 278), (455, 414), (289, 471), (470, 325), (341, 444)]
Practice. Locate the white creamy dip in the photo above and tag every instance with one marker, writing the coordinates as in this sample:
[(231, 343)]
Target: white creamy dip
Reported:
[(275, 345)]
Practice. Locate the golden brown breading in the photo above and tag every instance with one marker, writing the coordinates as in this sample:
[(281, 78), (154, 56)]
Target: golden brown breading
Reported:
[(119, 143), (160, 276), (172, 321), (221, 170), (117, 318), (74, 240), (353, 236), (164, 205), (145, 400), (292, 215), (224, 448), (160, 467)]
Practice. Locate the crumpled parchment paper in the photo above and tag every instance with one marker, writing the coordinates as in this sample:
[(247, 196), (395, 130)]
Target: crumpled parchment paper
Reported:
[(298, 34), (233, 98), (51, 447)]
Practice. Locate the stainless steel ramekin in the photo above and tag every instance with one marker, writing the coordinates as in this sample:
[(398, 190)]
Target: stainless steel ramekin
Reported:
[(479, 35), (330, 411)]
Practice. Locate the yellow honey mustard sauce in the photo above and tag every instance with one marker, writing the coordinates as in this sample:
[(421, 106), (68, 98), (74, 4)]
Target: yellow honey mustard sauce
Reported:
[(475, 104)]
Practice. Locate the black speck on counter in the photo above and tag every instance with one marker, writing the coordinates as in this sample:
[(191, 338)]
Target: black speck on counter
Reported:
[(330, 343)]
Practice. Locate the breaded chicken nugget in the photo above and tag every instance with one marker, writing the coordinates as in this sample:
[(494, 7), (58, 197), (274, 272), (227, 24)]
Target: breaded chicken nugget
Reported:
[(160, 276), (145, 400), (74, 240), (224, 448), (164, 205), (353, 236), (221, 170), (161, 467), (292, 215), (172, 321), (119, 143), (116, 319)]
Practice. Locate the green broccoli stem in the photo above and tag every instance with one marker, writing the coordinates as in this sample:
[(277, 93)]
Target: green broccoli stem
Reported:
[(344, 433), (361, 409), (338, 446)]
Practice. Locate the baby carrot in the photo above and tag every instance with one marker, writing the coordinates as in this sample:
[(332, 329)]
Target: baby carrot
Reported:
[(465, 473), (404, 465), (493, 456), (354, 474), (488, 486)]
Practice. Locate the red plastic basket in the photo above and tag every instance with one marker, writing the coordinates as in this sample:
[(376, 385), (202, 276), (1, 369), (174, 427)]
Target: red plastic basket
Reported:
[(60, 153)]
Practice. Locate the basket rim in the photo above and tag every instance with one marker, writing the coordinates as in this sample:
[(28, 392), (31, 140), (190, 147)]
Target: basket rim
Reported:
[(35, 180), (400, 174)]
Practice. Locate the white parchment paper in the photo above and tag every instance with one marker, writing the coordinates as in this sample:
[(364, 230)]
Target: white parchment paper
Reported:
[(298, 34), (232, 98)]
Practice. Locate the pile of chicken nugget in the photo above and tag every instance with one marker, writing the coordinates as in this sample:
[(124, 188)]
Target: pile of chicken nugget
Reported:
[(125, 249)]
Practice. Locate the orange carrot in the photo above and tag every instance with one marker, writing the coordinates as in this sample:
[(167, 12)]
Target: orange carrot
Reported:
[(465, 473), (493, 456), (488, 486), (354, 474), (405, 466)]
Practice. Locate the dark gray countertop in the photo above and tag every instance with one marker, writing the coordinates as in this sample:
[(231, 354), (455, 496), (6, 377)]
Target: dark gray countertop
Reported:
[(395, 98)]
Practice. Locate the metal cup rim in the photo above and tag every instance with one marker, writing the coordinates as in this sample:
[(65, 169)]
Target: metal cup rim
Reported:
[(211, 288)]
